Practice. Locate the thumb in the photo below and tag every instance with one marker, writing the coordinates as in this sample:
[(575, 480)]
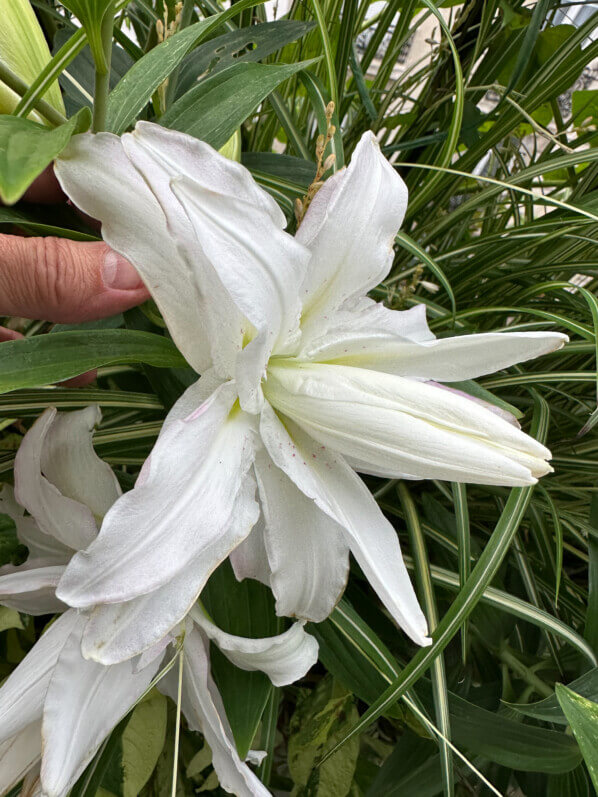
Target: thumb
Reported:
[(55, 279)]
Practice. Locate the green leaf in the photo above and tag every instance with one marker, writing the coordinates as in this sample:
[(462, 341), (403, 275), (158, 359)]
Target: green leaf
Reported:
[(53, 69), (528, 44), (285, 177), (246, 609), (549, 709), (24, 50), (584, 105), (44, 359), (135, 89), (427, 597), (569, 784), (460, 609), (550, 40), (403, 240), (11, 550), (509, 743), (26, 148), (295, 173), (102, 764), (219, 104), (10, 618), (90, 14), (253, 43), (44, 220), (411, 770), (582, 715), (352, 652), (449, 147), (142, 742), (591, 629), (355, 655), (320, 719), (168, 383), (111, 322)]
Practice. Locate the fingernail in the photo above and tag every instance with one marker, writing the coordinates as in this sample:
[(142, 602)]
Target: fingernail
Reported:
[(118, 273)]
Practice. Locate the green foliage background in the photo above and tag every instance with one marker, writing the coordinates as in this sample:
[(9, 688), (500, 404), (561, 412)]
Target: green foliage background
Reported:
[(503, 215)]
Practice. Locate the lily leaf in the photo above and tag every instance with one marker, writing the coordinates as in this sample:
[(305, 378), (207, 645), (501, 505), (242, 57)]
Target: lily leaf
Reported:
[(244, 44), (219, 104), (44, 359), (25, 51), (582, 715), (550, 709), (134, 90), (26, 148), (142, 743), (243, 608), (10, 618)]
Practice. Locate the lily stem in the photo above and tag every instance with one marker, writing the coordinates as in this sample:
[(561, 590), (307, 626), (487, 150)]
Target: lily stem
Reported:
[(19, 86), (102, 76)]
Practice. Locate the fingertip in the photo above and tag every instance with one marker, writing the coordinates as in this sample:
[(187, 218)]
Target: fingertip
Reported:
[(119, 274), (80, 381), (9, 334), (112, 301)]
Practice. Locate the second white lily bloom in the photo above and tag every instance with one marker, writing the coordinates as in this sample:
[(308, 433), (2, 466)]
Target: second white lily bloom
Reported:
[(56, 707), (304, 380)]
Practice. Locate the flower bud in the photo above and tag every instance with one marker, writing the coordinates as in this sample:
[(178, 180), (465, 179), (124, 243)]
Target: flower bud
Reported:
[(23, 50)]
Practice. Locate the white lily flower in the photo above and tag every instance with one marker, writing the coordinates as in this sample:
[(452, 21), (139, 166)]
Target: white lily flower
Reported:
[(304, 380), (67, 489), (57, 707)]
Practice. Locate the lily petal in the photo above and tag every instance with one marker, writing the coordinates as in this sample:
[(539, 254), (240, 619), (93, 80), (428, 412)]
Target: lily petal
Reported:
[(443, 360), (40, 545), (22, 694), (238, 237), (118, 631), (159, 156), (262, 268), (181, 507), (284, 658), (307, 551), (19, 755), (67, 520), (83, 703), (31, 588), (350, 228), (97, 175), (402, 426), (204, 711), (70, 463), (363, 322), (325, 477), (249, 559)]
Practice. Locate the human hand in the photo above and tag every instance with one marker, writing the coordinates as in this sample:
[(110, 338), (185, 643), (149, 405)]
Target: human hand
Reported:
[(64, 281), (59, 280)]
